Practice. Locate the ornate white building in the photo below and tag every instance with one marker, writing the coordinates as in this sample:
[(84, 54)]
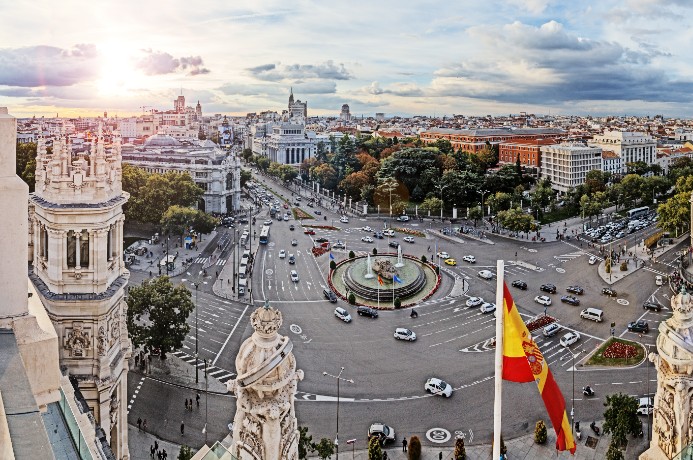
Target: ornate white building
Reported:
[(290, 143), (630, 146), (265, 425), (76, 256)]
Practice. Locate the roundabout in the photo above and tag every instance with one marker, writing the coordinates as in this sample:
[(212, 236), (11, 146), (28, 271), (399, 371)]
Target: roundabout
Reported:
[(378, 281)]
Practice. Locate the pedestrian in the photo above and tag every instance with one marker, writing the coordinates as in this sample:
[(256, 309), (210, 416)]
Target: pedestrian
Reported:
[(440, 456), (151, 451), (139, 424), (197, 400), (165, 454), (191, 404), (182, 428), (384, 455), (186, 403), (404, 444), (156, 445), (144, 425)]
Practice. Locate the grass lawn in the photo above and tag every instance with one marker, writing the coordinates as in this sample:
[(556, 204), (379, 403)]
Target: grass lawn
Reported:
[(616, 346)]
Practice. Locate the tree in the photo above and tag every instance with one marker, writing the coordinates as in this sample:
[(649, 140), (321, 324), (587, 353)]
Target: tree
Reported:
[(460, 452), (305, 442), (674, 213), (614, 453), (26, 163), (375, 452), (398, 302), (631, 189), (326, 176), (637, 167), (351, 299), (499, 201), (354, 183), (262, 163), (414, 448), (325, 448), (321, 151), (475, 214), (245, 177), (540, 433), (178, 220), (407, 166), (516, 220), (432, 204), (621, 418), (185, 453), (247, 154), (157, 314), (333, 264)]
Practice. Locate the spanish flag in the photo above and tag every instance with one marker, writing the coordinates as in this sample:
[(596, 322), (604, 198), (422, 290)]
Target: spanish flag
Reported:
[(380, 280), (523, 362)]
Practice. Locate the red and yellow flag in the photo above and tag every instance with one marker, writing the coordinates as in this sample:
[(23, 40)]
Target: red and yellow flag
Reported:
[(380, 280), (523, 362)]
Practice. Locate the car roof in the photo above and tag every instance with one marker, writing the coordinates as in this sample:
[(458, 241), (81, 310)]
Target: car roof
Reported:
[(402, 329)]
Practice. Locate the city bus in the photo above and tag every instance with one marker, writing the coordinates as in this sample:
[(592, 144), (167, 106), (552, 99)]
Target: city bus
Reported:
[(636, 213), (264, 234)]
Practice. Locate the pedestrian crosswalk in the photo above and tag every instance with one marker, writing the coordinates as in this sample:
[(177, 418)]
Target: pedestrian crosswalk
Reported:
[(220, 262), (201, 260), (569, 256), (213, 371), (657, 272)]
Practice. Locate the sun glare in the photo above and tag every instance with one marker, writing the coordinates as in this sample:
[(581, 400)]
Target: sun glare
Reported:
[(117, 73)]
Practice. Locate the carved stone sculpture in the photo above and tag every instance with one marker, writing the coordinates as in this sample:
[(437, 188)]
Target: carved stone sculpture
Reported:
[(265, 423), (384, 268), (672, 428)]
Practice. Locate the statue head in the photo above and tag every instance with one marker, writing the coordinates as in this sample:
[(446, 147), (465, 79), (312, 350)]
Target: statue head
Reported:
[(682, 305), (266, 321)]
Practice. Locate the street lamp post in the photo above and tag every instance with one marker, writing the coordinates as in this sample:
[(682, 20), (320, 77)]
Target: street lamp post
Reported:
[(483, 192), (339, 378), (647, 394), (197, 368)]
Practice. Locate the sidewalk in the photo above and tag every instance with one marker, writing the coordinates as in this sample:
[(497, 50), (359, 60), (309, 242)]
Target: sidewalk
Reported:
[(150, 263)]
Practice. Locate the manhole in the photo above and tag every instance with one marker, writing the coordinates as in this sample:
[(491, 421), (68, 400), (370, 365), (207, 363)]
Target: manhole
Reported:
[(592, 442)]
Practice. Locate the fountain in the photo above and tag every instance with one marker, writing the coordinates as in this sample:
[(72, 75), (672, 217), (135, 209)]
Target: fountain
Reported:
[(400, 262), (369, 273)]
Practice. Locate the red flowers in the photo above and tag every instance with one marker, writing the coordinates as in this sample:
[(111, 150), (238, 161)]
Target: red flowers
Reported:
[(620, 350)]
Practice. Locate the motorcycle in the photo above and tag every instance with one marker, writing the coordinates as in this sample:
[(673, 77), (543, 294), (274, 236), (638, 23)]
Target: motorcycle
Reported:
[(414, 314), (587, 391), (595, 428), (578, 433)]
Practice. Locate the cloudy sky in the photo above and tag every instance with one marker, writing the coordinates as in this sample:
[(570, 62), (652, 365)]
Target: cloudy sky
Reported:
[(471, 57)]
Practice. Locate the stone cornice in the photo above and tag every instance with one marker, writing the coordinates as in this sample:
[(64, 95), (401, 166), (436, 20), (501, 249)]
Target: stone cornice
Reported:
[(113, 288)]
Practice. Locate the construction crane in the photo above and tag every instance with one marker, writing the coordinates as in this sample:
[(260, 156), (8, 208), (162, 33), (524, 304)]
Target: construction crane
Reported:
[(145, 107)]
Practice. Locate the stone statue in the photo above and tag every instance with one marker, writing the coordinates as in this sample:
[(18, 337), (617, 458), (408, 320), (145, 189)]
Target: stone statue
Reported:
[(384, 268), (672, 428), (265, 425)]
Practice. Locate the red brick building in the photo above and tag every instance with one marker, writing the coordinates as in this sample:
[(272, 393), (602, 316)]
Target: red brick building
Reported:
[(527, 149), (474, 140)]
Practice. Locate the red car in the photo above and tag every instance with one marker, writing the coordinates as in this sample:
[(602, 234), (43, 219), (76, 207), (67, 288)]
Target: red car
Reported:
[(286, 206), (309, 231)]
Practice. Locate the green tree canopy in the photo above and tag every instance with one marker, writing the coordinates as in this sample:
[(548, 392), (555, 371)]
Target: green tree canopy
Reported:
[(26, 163), (179, 219), (157, 314), (621, 418), (408, 165), (516, 220)]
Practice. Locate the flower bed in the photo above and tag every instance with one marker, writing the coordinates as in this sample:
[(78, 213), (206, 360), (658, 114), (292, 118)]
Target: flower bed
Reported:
[(540, 322), (617, 352), (322, 227), (301, 214), (319, 250), (409, 231)]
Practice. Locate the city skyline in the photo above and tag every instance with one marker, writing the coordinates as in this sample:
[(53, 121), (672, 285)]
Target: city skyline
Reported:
[(497, 57)]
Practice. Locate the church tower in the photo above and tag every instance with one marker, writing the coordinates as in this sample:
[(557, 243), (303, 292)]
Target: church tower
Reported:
[(76, 254)]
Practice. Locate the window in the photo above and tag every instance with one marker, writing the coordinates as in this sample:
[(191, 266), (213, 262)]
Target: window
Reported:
[(84, 249), (71, 249)]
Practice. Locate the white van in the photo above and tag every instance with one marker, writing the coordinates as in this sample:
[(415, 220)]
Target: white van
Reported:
[(244, 261), (645, 406), (242, 285), (242, 273), (595, 314)]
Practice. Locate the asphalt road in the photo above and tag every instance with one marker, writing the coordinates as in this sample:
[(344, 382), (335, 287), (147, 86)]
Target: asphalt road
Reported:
[(453, 339)]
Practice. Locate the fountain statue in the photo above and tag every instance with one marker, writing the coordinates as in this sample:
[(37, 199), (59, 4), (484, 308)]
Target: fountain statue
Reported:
[(369, 272), (384, 269), (400, 262), (265, 425)]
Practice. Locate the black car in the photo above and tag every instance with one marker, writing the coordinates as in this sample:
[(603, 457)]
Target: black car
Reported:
[(393, 244), (367, 311), (608, 291), (243, 220), (294, 243), (520, 284), (321, 240), (291, 227), (329, 295), (570, 299), (318, 212), (652, 306), (575, 290), (550, 288), (292, 260), (638, 326), (378, 235)]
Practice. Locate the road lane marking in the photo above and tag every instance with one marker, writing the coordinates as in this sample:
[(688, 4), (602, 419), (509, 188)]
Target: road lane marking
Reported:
[(229, 336)]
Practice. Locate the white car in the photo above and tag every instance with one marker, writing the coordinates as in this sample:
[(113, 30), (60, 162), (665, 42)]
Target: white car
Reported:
[(367, 239), (443, 255), (389, 232), (408, 239), (486, 274), (569, 339), (593, 260), (543, 300), (438, 387), (294, 276), (659, 281), (488, 307), (367, 229), (342, 314), (470, 259), (286, 217), (344, 219), (474, 301), (282, 254), (405, 334)]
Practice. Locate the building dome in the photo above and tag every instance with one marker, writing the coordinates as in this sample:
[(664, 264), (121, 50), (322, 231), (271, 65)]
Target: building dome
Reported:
[(161, 140)]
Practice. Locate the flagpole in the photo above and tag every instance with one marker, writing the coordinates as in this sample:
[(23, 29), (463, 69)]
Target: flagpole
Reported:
[(498, 398)]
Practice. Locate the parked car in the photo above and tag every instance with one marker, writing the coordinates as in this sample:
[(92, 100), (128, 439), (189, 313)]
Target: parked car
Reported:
[(408, 239), (608, 291), (367, 311), (384, 433), (652, 306), (474, 301), (645, 406), (403, 219), (367, 239), (329, 295), (543, 300), (570, 299), (575, 290), (405, 334), (520, 284), (551, 330), (639, 326), (470, 259), (569, 339), (550, 288), (438, 387), (393, 244), (488, 307), (486, 274), (342, 314), (452, 262)]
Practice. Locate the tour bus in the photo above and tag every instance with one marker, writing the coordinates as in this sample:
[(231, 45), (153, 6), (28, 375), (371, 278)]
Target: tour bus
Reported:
[(264, 234), (242, 272), (638, 212)]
